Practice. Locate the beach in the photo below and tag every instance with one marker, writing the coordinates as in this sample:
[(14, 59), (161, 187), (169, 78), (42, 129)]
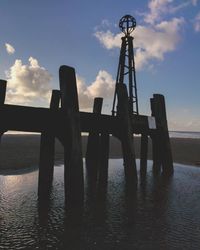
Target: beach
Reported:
[(162, 214), (21, 151)]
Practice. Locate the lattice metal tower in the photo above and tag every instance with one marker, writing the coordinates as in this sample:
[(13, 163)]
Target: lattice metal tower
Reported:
[(126, 69)]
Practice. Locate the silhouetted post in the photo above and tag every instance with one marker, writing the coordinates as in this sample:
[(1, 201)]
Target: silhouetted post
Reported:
[(47, 150), (73, 172), (126, 134), (93, 145), (156, 152), (3, 85), (143, 153), (104, 157), (155, 136), (162, 127)]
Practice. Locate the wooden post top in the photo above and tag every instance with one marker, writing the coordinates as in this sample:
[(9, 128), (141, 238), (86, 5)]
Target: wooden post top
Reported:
[(68, 88), (3, 85)]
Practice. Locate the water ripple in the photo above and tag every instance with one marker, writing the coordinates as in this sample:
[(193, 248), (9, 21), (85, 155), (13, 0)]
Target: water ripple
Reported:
[(159, 215)]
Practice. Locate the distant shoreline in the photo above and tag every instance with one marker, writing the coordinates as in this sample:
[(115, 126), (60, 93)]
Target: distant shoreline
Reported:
[(21, 152)]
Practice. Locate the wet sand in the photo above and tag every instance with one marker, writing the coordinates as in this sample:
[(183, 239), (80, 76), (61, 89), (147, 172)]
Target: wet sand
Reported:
[(163, 214), (22, 151)]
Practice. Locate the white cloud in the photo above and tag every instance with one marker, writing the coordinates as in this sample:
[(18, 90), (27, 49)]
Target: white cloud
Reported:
[(197, 23), (30, 85), (159, 8), (150, 42), (194, 2), (103, 86), (108, 39), (156, 9), (27, 84), (193, 124), (173, 9), (85, 100), (9, 48)]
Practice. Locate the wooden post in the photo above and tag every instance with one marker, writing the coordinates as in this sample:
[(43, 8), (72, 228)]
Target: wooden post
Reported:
[(47, 148), (74, 186), (155, 136), (92, 153), (164, 141), (156, 152), (126, 135), (104, 158), (143, 154), (3, 85)]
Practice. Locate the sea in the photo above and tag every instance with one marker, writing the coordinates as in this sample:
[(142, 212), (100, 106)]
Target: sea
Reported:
[(173, 134), (160, 214), (184, 134)]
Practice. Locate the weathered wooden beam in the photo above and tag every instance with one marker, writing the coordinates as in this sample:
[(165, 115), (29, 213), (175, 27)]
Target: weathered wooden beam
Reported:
[(97, 106), (126, 136), (29, 119), (93, 148), (37, 119), (163, 134), (3, 85), (104, 158), (47, 149), (74, 186), (139, 124), (93, 137), (156, 152), (155, 137), (55, 100), (143, 154)]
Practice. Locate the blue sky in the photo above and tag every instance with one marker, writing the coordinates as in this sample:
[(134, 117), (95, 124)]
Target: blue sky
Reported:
[(36, 37)]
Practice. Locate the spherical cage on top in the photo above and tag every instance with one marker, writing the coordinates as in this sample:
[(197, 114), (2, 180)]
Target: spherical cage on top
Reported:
[(127, 24)]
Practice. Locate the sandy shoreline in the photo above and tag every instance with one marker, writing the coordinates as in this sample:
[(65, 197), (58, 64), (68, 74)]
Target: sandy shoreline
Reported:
[(22, 151)]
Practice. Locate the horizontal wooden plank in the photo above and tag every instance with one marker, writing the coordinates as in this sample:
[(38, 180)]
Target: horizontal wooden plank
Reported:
[(31, 119), (28, 119)]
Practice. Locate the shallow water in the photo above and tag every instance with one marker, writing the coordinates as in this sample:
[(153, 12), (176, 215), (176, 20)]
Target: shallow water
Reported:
[(184, 134), (161, 214)]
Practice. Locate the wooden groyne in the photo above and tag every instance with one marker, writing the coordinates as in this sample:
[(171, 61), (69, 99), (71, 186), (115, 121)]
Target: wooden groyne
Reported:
[(64, 121)]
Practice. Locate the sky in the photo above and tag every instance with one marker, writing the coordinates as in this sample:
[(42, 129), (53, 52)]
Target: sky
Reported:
[(37, 37)]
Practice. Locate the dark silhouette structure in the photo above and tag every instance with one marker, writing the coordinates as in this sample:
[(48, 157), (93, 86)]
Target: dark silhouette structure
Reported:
[(126, 69), (64, 121)]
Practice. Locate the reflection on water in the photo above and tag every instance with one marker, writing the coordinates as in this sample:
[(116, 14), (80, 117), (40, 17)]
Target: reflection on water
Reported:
[(161, 214)]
